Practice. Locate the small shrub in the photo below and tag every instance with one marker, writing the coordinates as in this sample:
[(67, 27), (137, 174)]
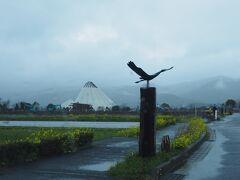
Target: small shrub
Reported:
[(163, 121), (52, 146), (83, 137), (43, 143), (19, 151), (194, 131)]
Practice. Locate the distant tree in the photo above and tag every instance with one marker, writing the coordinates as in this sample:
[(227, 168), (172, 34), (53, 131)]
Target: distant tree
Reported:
[(125, 109), (4, 106), (67, 109), (22, 106), (115, 108), (230, 103), (16, 107), (50, 107), (35, 106), (108, 109), (165, 106), (100, 108), (137, 109)]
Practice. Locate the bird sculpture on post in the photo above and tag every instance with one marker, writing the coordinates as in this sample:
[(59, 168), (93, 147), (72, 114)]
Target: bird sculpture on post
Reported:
[(143, 75)]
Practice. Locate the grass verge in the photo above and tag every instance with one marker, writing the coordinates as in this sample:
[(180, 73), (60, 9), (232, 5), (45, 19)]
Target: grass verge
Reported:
[(161, 122), (136, 167)]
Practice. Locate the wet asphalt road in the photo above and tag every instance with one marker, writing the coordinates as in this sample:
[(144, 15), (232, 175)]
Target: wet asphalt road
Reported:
[(219, 157), (86, 164)]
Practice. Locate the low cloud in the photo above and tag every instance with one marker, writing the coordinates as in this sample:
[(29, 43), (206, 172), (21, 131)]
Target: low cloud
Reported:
[(74, 41), (96, 34), (164, 53)]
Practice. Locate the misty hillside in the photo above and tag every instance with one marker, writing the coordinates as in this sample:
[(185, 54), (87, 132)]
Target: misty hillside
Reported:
[(215, 90), (207, 91), (130, 96)]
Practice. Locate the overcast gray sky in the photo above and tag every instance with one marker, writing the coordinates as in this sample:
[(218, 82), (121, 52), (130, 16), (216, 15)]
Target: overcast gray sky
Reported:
[(44, 43)]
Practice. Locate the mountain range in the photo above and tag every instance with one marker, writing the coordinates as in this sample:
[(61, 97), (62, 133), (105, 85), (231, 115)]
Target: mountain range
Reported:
[(207, 91)]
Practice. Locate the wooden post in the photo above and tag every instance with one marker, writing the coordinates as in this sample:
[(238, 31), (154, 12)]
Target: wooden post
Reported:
[(147, 137)]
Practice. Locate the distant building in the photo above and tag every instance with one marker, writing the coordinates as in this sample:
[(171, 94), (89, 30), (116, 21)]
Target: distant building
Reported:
[(91, 95), (77, 108)]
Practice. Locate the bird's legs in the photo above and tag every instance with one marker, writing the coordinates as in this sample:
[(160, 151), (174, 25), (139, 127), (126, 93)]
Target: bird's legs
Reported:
[(147, 84)]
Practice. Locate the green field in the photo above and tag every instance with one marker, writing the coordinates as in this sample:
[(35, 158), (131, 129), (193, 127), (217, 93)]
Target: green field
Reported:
[(86, 117), (18, 133), (70, 117), (23, 144)]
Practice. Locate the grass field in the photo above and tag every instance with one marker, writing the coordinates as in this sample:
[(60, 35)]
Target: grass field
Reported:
[(15, 133), (11, 133), (18, 133), (85, 117), (70, 117), (21, 144)]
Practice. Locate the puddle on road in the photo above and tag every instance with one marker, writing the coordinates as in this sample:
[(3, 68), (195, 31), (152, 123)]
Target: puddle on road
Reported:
[(171, 131), (123, 144), (103, 166), (207, 167)]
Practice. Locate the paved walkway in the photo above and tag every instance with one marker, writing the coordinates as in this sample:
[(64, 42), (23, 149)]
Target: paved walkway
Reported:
[(86, 164), (218, 158)]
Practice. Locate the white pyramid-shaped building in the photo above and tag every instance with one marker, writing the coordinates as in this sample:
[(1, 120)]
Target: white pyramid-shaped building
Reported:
[(92, 95)]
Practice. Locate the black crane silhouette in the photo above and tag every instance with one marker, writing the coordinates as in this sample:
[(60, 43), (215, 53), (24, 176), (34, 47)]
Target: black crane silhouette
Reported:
[(143, 75)]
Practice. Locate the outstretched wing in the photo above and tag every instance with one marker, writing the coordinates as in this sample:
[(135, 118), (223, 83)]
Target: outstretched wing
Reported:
[(166, 69), (163, 70), (137, 70)]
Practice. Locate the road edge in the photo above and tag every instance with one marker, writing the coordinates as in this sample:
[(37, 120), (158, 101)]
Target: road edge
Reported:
[(177, 161)]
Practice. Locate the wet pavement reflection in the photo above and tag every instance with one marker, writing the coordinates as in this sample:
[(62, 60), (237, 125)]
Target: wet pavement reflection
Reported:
[(216, 159)]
